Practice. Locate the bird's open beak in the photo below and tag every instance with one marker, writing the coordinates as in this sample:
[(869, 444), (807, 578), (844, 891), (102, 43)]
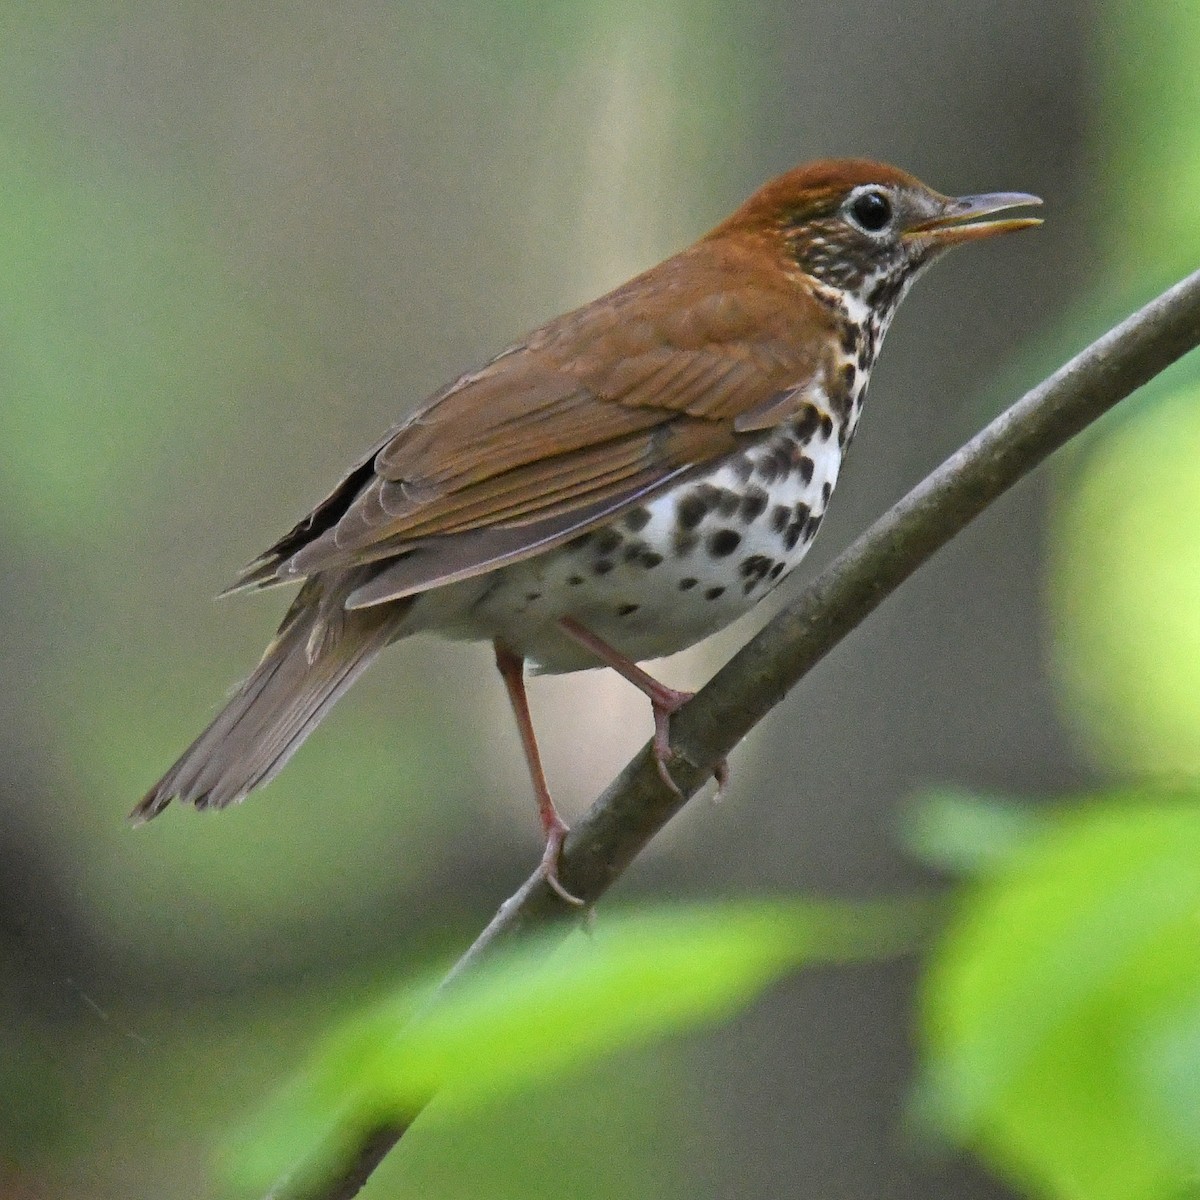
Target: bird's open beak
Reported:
[(960, 220)]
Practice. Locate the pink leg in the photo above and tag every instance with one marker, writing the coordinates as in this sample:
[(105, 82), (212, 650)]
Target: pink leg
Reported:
[(664, 701), (512, 671)]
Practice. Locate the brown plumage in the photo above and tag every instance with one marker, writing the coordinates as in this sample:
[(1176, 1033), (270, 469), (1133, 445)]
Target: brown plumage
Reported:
[(591, 409), (757, 340)]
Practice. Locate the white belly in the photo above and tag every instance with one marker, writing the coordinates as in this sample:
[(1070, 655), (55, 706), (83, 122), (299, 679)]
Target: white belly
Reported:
[(667, 574)]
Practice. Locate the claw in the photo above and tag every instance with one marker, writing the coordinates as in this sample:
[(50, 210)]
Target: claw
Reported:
[(663, 754), (665, 704), (664, 773), (721, 775), (664, 701), (556, 834)]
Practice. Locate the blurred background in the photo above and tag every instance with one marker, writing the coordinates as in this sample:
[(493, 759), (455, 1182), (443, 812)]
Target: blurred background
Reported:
[(240, 241)]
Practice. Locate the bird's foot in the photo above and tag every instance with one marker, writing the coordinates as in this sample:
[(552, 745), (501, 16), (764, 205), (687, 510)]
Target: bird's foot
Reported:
[(556, 833), (665, 702)]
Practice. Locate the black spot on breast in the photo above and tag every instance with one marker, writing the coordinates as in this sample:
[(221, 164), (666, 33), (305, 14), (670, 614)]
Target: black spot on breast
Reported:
[(802, 511), (686, 585), (607, 540), (574, 580), (602, 566), (723, 542), (532, 597), (806, 469), (805, 426), (811, 526), (742, 467), (772, 465), (777, 570), (625, 610), (755, 567), (634, 551), (826, 426), (685, 541), (792, 536), (780, 516), (754, 503), (849, 337), (637, 519), (714, 593), (693, 508), (651, 558), (849, 375), (727, 502)]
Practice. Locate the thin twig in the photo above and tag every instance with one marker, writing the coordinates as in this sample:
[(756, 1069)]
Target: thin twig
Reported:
[(637, 804)]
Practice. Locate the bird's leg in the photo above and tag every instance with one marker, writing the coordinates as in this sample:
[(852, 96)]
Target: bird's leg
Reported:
[(665, 701), (512, 670)]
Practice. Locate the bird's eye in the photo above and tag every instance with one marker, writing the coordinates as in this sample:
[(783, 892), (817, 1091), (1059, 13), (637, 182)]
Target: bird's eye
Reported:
[(871, 211)]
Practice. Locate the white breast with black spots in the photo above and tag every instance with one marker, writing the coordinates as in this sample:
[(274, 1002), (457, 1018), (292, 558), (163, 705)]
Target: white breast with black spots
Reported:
[(678, 568)]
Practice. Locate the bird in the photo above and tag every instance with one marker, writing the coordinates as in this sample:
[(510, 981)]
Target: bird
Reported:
[(617, 485)]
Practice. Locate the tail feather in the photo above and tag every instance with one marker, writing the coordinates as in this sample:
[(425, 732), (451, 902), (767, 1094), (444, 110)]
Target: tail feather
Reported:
[(303, 673)]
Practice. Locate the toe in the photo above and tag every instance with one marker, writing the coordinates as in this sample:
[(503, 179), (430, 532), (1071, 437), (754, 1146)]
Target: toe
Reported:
[(555, 836)]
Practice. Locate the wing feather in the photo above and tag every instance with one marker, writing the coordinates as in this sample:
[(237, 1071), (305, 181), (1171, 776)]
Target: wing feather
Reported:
[(591, 412)]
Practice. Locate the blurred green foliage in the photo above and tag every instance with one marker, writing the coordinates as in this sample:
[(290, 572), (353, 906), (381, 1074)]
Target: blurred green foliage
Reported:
[(1062, 1006), (108, 300), (119, 325), (1125, 558), (965, 834), (1127, 589), (1148, 137), (1060, 1012), (157, 368), (540, 1010), (620, 1127), (1062, 1009)]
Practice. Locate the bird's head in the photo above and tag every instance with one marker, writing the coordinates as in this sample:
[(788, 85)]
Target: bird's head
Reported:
[(868, 229)]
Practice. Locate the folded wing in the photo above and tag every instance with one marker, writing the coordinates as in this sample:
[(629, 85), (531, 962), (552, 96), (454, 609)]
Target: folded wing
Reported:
[(591, 414)]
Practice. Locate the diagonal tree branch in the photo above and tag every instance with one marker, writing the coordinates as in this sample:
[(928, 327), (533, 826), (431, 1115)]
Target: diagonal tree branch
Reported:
[(637, 804)]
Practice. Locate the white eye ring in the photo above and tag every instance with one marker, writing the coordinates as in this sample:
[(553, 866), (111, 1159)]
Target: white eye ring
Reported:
[(869, 209)]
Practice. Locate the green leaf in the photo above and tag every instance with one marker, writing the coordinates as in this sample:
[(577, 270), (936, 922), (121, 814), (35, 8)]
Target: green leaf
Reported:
[(965, 834), (618, 1128), (1059, 1000), (543, 1009)]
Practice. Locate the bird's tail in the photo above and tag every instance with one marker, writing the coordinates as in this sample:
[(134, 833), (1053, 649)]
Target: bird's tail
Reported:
[(319, 651)]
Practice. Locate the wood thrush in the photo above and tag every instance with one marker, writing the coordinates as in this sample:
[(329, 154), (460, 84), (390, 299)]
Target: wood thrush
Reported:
[(617, 485)]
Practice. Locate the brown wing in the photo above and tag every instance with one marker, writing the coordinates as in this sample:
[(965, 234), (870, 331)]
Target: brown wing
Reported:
[(593, 412)]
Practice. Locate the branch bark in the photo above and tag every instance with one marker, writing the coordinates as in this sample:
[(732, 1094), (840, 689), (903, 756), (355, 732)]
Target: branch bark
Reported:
[(637, 804)]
